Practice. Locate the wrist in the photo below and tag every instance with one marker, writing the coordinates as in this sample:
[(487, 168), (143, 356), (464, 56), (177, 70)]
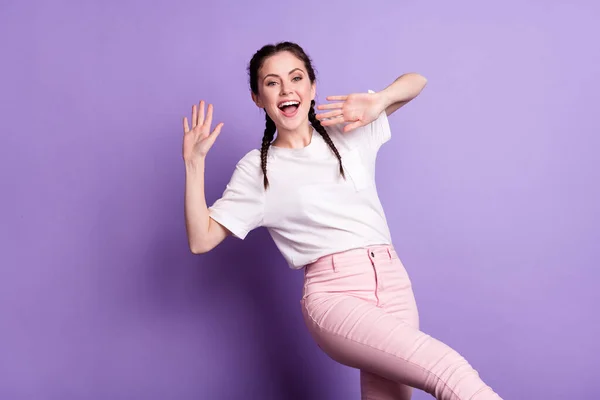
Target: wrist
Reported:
[(195, 165), (384, 99)]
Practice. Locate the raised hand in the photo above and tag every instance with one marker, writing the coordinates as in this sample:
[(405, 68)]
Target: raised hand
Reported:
[(357, 109), (198, 140)]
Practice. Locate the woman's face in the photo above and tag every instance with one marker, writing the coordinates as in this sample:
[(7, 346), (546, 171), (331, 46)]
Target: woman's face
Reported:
[(285, 91)]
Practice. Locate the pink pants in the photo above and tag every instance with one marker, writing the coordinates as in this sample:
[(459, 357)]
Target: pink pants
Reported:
[(359, 307)]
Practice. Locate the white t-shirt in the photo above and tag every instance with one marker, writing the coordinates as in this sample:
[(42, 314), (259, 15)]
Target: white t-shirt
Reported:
[(309, 209)]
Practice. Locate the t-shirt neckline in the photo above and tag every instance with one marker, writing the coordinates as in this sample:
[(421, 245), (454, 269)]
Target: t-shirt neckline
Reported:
[(297, 150)]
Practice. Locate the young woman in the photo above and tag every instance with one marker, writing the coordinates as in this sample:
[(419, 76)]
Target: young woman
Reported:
[(313, 187)]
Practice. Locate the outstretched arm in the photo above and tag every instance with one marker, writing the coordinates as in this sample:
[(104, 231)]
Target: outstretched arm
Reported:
[(203, 233), (405, 88), (360, 109)]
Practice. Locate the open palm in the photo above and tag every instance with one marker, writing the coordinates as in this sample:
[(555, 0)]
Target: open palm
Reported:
[(357, 109), (199, 139)]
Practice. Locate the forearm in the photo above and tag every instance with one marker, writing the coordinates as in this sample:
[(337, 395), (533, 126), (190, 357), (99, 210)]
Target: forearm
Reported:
[(197, 220), (405, 88)]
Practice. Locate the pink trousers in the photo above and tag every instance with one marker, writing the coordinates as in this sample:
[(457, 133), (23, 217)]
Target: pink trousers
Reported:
[(359, 307)]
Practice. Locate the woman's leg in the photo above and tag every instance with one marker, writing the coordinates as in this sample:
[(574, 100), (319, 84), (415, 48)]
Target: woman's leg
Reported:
[(349, 309), (375, 387), (395, 298)]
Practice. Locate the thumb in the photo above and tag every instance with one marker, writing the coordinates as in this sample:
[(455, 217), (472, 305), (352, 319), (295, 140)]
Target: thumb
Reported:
[(352, 126)]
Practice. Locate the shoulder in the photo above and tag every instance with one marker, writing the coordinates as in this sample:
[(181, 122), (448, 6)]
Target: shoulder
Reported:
[(251, 158), (248, 168), (250, 162)]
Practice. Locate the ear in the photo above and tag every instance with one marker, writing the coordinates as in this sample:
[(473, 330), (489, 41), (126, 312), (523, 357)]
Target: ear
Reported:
[(313, 91), (256, 100)]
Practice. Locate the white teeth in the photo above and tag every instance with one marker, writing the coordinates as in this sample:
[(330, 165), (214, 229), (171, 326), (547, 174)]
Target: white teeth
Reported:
[(289, 103)]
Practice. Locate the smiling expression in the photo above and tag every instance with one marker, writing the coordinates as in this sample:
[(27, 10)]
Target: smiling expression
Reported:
[(285, 91)]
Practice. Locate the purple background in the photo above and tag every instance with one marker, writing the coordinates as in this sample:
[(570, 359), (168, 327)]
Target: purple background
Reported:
[(490, 185)]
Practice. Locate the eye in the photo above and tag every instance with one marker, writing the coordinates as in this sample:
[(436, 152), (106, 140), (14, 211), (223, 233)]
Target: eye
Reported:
[(271, 83), (297, 79)]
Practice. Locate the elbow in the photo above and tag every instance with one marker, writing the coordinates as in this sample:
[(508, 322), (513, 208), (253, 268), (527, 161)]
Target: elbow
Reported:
[(420, 80), (196, 251), (199, 248)]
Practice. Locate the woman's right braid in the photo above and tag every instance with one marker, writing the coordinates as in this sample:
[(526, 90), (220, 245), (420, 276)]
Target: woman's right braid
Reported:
[(266, 143)]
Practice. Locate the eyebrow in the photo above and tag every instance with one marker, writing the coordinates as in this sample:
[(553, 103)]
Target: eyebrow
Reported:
[(277, 76)]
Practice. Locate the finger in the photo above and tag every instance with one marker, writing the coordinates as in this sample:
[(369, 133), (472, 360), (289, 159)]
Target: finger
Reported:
[(330, 114), (333, 121), (194, 116), (336, 98), (209, 116), (353, 126), (215, 133), (201, 113), (186, 127), (331, 106)]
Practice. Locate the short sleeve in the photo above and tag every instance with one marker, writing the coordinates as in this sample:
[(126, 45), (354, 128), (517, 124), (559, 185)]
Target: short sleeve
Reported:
[(241, 207)]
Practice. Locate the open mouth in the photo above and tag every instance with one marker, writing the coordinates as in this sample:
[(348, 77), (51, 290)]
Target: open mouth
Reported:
[(289, 108)]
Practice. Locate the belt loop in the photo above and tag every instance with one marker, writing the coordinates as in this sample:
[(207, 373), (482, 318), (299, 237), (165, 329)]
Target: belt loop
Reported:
[(333, 262), (389, 252)]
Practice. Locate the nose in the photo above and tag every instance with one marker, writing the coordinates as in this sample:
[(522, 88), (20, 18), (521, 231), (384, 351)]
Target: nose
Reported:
[(284, 89)]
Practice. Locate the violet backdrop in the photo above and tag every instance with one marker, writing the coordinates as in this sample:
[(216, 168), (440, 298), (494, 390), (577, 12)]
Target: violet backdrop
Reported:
[(490, 185)]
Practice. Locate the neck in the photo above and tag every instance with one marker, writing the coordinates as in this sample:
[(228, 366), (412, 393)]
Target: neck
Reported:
[(294, 139)]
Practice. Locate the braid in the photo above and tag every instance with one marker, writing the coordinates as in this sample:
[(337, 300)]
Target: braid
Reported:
[(266, 143), (319, 128), (254, 67)]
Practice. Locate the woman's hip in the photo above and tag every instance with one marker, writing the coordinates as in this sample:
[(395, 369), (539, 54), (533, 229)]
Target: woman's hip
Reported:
[(374, 274)]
